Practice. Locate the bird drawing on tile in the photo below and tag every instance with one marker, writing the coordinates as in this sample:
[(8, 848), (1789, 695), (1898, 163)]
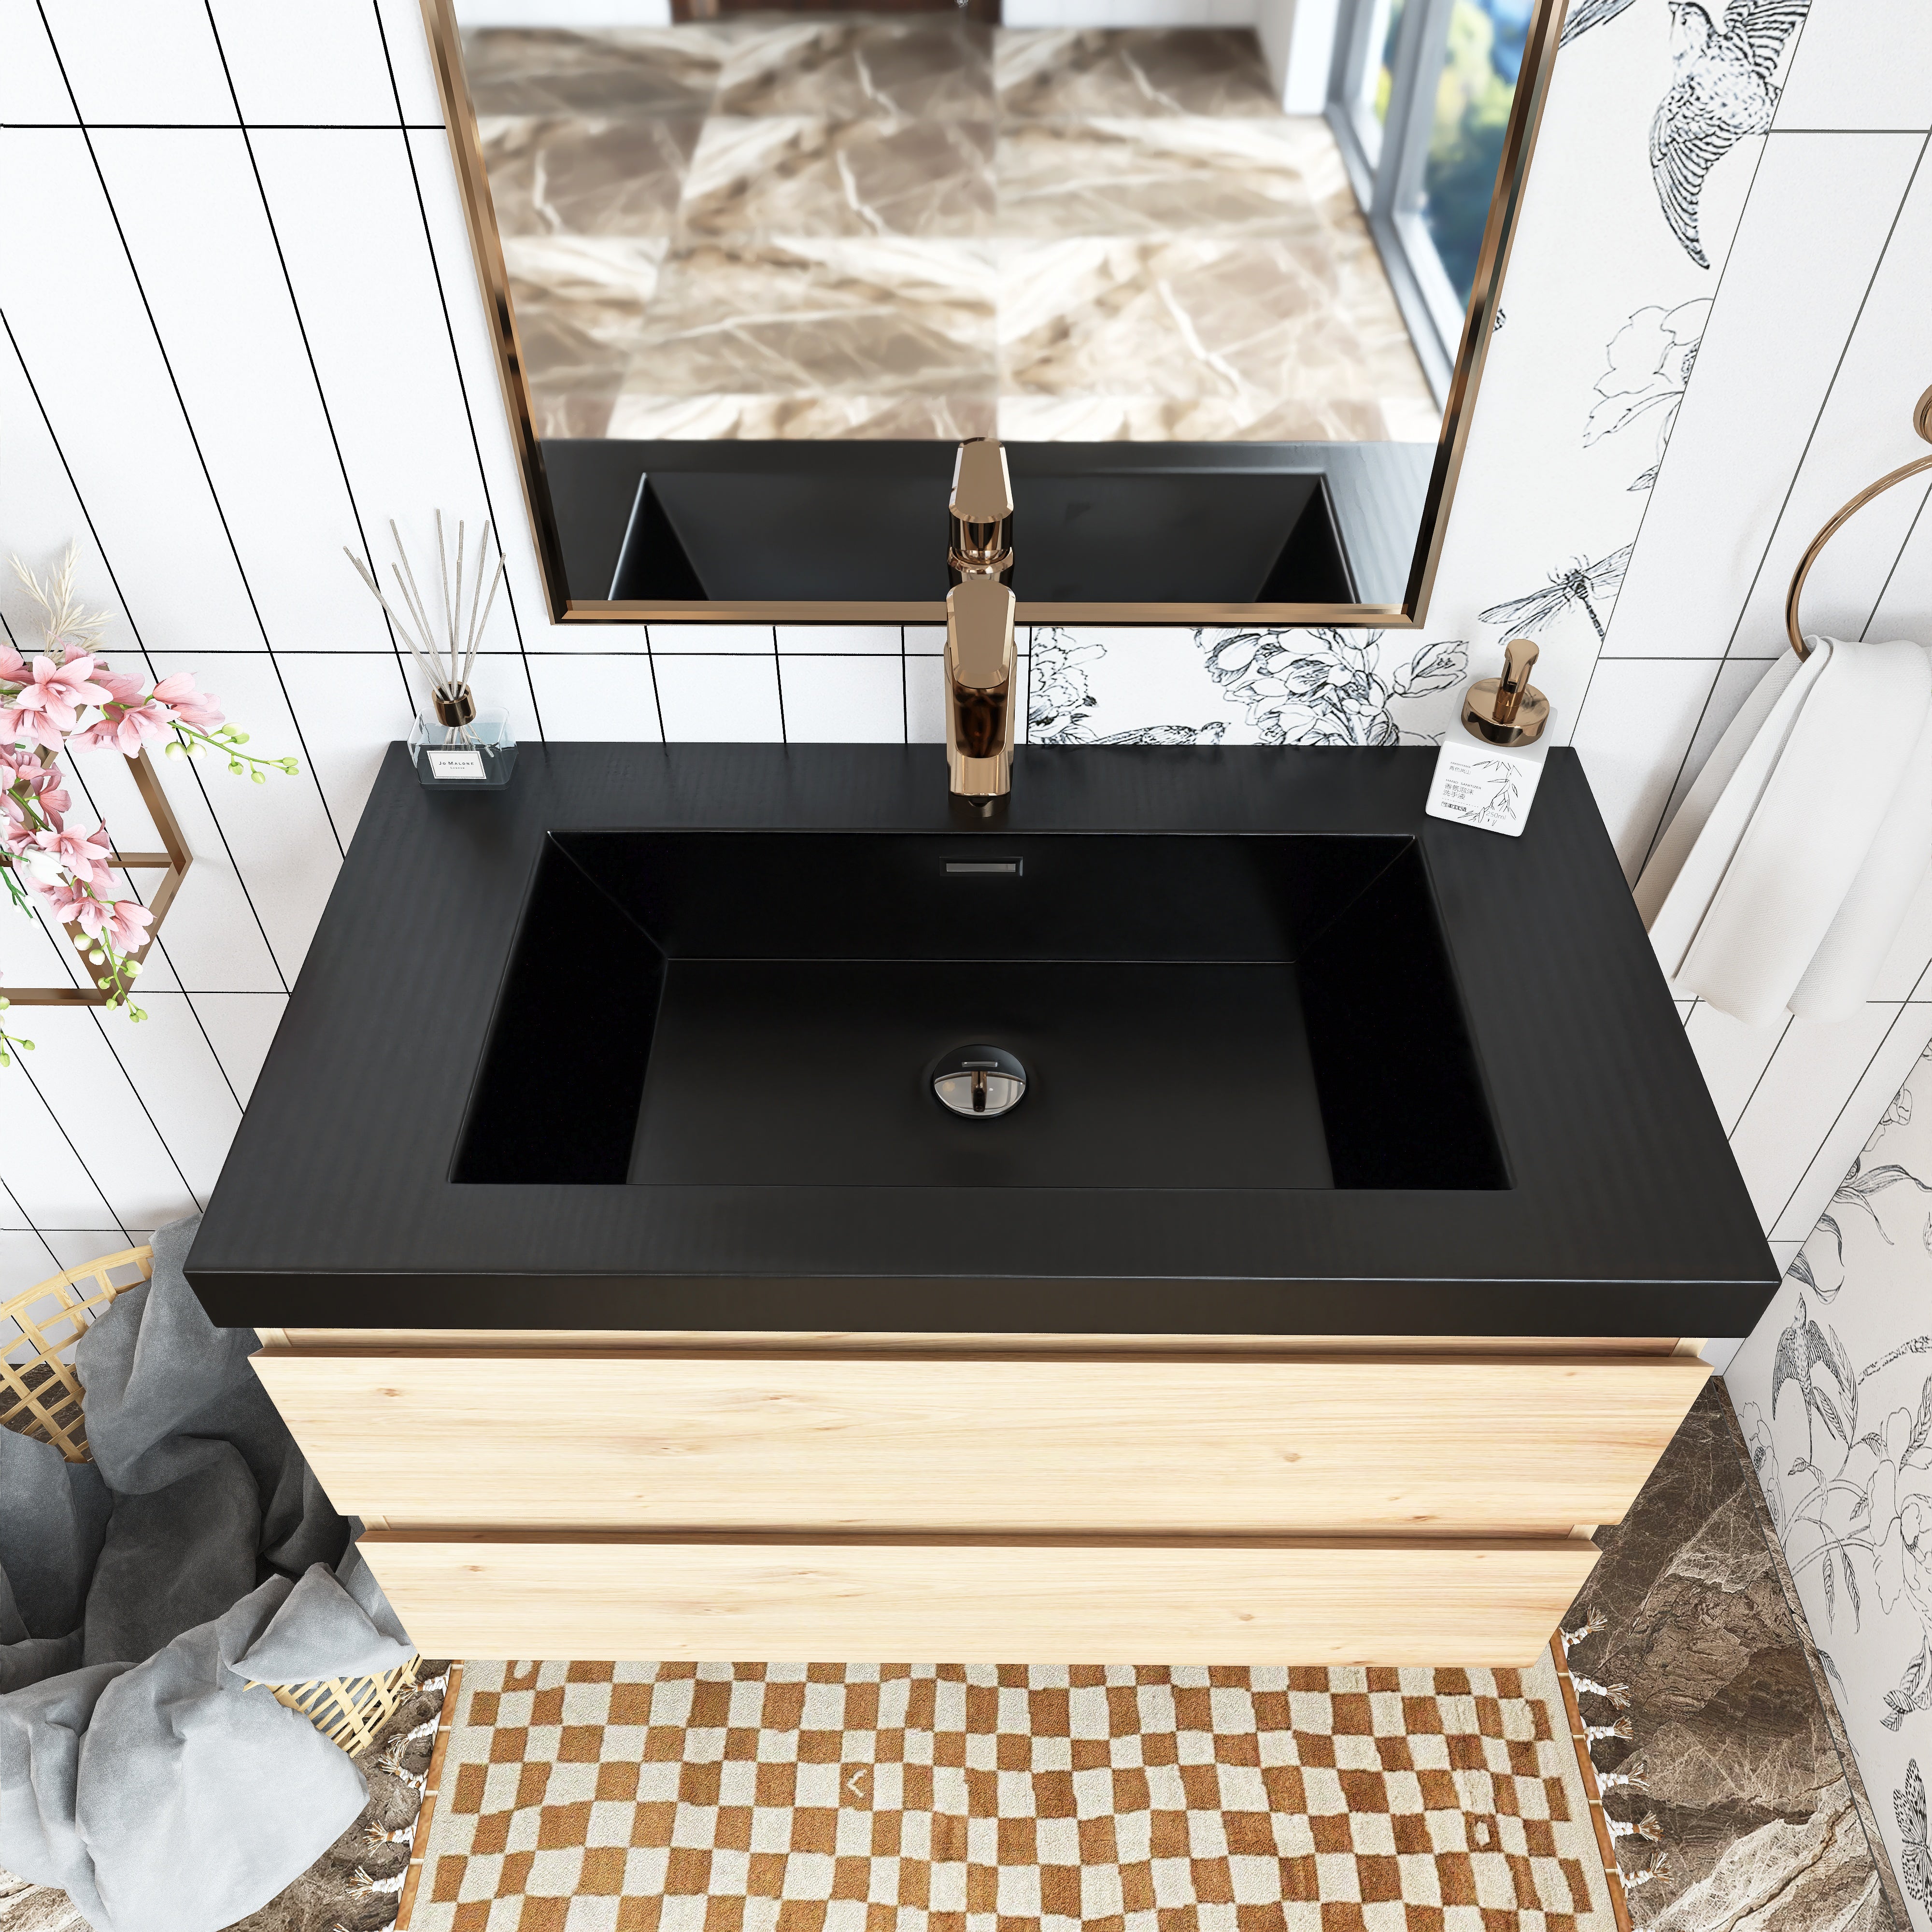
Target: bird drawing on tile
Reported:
[(1804, 1347), (1588, 13), (1721, 93)]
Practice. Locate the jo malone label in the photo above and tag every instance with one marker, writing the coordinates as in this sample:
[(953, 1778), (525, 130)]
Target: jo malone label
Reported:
[(455, 764)]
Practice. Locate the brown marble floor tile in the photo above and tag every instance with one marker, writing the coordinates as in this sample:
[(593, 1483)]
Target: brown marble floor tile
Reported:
[(617, 70), (1053, 72), (1158, 419), (1248, 320), (928, 66), (580, 304), (796, 175), (1727, 1759), (558, 175), (804, 316), (1179, 176), (1138, 245), (802, 417)]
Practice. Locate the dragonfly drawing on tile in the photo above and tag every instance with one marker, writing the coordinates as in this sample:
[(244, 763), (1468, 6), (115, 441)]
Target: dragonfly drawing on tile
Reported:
[(1582, 584)]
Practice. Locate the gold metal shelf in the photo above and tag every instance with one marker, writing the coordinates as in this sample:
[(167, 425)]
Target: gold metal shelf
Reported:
[(173, 862)]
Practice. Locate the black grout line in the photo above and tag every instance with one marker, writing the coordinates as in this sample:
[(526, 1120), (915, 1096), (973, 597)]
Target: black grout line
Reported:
[(1805, 1173), (1782, 1032), (140, 644), (113, 1219), (1825, 400), (208, 1040), (194, 440), (1650, 495), (1884, 589), (455, 357), (315, 374), (1776, 522), (95, 1013)]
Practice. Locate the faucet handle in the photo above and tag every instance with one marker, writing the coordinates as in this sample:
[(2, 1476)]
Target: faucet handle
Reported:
[(980, 511)]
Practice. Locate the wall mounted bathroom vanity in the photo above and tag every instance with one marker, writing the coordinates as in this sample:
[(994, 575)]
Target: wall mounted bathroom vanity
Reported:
[(742, 1201), (1341, 1265)]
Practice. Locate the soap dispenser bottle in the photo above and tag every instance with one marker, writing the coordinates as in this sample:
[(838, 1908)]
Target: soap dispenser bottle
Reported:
[(1487, 770)]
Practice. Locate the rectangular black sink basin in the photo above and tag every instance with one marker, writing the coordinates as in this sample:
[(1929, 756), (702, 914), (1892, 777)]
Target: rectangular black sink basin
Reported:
[(1192, 1012), (640, 1043)]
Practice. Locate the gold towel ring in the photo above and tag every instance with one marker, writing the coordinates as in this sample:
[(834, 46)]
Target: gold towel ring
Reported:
[(1921, 421)]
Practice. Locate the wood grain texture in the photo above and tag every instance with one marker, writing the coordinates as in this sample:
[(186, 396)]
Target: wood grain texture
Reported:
[(1415, 1446), (984, 1601), (632, 1341)]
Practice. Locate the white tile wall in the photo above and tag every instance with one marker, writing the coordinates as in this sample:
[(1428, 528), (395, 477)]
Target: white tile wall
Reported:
[(242, 331)]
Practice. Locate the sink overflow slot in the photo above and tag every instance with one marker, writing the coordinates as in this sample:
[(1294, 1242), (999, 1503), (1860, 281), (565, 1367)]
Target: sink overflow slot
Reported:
[(1014, 866)]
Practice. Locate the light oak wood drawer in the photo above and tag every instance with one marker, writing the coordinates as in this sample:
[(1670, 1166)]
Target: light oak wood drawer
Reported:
[(990, 1601), (876, 1442)]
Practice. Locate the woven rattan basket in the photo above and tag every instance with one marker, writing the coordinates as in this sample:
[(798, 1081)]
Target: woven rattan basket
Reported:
[(40, 1396)]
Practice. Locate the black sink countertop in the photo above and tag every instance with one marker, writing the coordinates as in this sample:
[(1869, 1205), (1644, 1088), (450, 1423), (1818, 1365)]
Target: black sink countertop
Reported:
[(1623, 1212)]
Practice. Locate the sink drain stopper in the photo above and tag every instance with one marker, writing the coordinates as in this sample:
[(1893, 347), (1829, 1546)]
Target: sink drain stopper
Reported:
[(979, 1082)]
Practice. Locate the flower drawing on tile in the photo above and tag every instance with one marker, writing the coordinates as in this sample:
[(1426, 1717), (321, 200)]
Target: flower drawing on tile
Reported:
[(1063, 699), (1326, 686), (1867, 1509), (69, 699), (1763, 1448), (1861, 1189), (1580, 586), (1060, 699), (1647, 368)]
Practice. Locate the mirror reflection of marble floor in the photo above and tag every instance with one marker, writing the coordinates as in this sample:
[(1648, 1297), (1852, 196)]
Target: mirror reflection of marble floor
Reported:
[(917, 226)]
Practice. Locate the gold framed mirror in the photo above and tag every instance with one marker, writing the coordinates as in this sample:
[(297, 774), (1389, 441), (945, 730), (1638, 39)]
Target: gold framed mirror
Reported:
[(662, 186)]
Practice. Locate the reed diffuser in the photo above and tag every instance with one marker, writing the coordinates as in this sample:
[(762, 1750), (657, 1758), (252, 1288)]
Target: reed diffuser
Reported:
[(451, 743)]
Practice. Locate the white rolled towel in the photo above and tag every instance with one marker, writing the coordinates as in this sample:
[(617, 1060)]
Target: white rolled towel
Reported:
[(1783, 879)]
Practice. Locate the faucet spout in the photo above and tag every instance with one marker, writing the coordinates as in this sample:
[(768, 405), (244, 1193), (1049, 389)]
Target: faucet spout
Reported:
[(982, 664), (981, 668)]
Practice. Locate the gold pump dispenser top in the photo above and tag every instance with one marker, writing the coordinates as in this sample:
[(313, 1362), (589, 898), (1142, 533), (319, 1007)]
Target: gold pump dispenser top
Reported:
[(1509, 710)]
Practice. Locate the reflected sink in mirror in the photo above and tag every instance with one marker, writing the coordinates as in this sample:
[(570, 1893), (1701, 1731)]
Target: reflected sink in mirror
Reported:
[(1192, 1012)]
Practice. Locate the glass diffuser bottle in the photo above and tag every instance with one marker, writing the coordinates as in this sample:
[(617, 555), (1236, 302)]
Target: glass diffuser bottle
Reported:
[(455, 745)]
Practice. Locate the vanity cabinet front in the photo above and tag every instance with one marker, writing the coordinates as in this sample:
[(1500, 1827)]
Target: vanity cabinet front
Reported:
[(1392, 1502)]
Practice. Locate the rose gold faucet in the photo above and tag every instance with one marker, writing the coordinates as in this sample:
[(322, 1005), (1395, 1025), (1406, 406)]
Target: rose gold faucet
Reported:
[(981, 665)]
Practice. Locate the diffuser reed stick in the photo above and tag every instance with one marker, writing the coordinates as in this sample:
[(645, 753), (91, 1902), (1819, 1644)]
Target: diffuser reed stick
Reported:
[(445, 653)]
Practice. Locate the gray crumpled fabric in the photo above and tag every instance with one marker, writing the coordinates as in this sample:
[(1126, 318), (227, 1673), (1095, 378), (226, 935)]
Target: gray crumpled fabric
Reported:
[(138, 1595)]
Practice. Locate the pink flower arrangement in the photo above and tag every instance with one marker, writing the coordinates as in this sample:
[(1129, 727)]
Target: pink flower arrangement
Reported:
[(44, 710)]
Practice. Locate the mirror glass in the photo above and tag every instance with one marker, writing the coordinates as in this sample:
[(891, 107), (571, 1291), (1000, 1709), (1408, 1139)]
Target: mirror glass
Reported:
[(1202, 266)]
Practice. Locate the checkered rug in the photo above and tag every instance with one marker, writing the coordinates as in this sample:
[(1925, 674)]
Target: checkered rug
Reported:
[(587, 1797)]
